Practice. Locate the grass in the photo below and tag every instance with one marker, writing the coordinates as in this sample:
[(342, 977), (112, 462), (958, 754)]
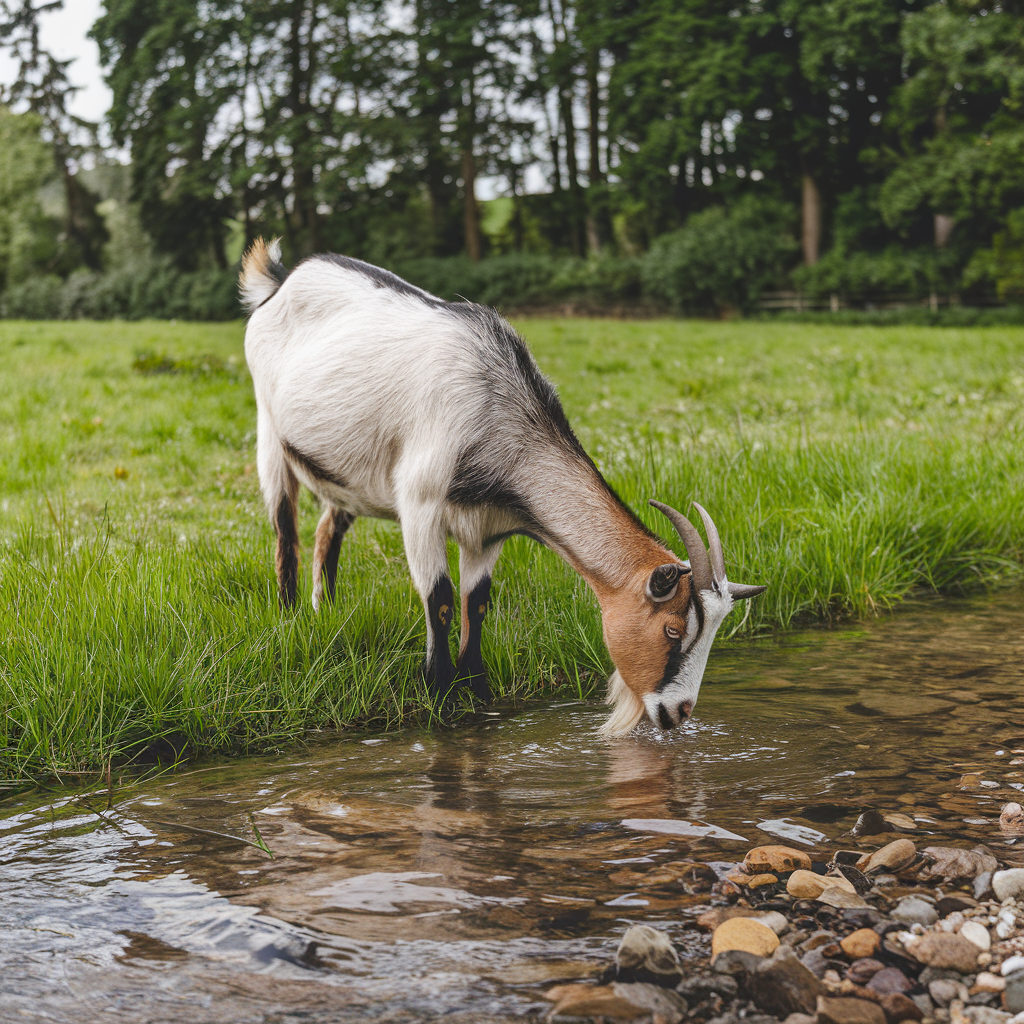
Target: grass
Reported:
[(845, 466)]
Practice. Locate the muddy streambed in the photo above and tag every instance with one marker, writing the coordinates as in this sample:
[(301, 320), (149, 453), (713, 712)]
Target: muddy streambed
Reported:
[(457, 873)]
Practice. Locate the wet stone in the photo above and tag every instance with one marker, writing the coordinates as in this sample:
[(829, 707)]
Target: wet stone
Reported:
[(861, 972), (943, 991), (738, 965), (808, 885), (776, 860), (849, 1011), (888, 980), (783, 985), (647, 954), (893, 857), (949, 864), (899, 1007), (861, 944), (914, 910), (746, 935), (662, 1003), (591, 1001), (703, 985)]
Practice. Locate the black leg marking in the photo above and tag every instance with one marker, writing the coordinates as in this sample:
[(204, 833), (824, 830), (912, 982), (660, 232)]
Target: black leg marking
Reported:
[(472, 670), (287, 551), (342, 521), (440, 670)]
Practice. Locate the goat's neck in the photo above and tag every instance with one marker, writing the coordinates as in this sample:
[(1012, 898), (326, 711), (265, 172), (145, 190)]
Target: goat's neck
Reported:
[(584, 522)]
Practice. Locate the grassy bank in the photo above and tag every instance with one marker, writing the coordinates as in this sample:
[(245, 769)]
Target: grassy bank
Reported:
[(845, 467)]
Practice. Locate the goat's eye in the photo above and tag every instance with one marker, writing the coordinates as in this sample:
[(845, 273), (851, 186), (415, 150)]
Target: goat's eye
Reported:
[(672, 633)]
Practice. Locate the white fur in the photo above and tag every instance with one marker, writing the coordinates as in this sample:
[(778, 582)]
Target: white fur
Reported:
[(628, 709), (686, 685)]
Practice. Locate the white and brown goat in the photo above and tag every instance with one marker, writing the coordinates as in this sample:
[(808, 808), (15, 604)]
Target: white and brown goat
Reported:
[(386, 401)]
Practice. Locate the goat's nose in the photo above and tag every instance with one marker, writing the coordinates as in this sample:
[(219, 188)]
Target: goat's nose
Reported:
[(684, 709)]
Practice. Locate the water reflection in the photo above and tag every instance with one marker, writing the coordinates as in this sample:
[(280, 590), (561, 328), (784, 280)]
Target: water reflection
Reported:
[(449, 872)]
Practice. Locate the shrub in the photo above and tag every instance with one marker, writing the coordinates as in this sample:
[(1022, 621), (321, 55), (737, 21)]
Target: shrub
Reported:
[(722, 259)]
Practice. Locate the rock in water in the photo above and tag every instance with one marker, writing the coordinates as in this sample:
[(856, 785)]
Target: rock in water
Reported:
[(894, 857), (945, 950), (662, 1003), (913, 910), (849, 1011), (777, 859), (949, 864), (646, 951), (862, 943), (976, 932), (744, 934), (592, 1001), (1008, 884), (809, 886), (782, 985)]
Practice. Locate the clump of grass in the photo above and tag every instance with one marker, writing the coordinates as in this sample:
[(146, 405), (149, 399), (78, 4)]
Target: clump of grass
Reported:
[(845, 468), (203, 365)]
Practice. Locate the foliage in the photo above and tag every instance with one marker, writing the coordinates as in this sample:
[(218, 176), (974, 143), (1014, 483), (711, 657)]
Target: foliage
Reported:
[(721, 259), (846, 467), (1003, 264)]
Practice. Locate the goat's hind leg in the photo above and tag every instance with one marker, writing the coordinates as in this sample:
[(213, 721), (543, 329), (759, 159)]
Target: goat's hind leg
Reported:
[(475, 569), (330, 532), (281, 492)]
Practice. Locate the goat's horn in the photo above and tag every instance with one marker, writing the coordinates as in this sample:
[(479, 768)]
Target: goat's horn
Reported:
[(700, 566), (740, 591), (714, 544)]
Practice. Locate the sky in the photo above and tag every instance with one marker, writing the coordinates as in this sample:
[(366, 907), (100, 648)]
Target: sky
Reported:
[(63, 33)]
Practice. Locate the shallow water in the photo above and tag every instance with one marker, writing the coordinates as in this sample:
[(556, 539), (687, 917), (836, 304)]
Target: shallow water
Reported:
[(456, 873)]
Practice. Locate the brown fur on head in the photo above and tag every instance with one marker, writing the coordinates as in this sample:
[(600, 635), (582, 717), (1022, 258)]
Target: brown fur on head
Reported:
[(642, 634), (659, 627)]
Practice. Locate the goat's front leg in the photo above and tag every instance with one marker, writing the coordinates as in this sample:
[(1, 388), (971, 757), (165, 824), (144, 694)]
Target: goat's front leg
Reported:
[(475, 569), (426, 548), (330, 532)]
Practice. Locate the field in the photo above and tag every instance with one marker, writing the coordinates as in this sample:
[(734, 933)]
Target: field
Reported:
[(846, 467)]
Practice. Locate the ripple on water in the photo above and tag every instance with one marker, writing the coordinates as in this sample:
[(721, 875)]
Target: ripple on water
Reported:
[(457, 871)]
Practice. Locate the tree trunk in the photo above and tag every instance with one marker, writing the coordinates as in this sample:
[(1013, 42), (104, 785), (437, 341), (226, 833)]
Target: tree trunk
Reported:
[(471, 218), (811, 217), (944, 225), (594, 171)]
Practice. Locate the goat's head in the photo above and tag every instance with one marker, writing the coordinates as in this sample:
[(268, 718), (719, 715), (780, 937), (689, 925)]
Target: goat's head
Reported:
[(660, 631)]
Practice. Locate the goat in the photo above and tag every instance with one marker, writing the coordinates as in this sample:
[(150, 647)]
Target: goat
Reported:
[(388, 402)]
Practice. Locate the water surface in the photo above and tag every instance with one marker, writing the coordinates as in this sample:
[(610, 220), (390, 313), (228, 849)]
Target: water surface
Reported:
[(455, 873)]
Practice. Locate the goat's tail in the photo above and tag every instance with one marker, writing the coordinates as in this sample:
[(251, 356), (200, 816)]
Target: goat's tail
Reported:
[(262, 273)]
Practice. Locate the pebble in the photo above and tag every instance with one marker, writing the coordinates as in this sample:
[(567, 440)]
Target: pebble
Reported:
[(1013, 994), (986, 982), (976, 932), (664, 1004), (783, 985), (941, 949), (888, 980), (592, 1001), (1012, 966), (893, 857), (863, 971), (711, 919), (943, 991), (914, 910), (985, 1015), (776, 860), (899, 1007), (1006, 923), (849, 1011), (1008, 884), (949, 864), (746, 935), (736, 964), (646, 948), (862, 943), (983, 885), (807, 885)]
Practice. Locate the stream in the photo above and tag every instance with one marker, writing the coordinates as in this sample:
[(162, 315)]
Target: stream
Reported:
[(457, 873)]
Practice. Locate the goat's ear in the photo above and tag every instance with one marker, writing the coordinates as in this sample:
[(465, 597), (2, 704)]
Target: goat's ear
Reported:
[(664, 581)]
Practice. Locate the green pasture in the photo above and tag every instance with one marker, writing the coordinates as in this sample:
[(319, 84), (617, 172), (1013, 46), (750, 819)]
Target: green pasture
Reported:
[(846, 467)]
